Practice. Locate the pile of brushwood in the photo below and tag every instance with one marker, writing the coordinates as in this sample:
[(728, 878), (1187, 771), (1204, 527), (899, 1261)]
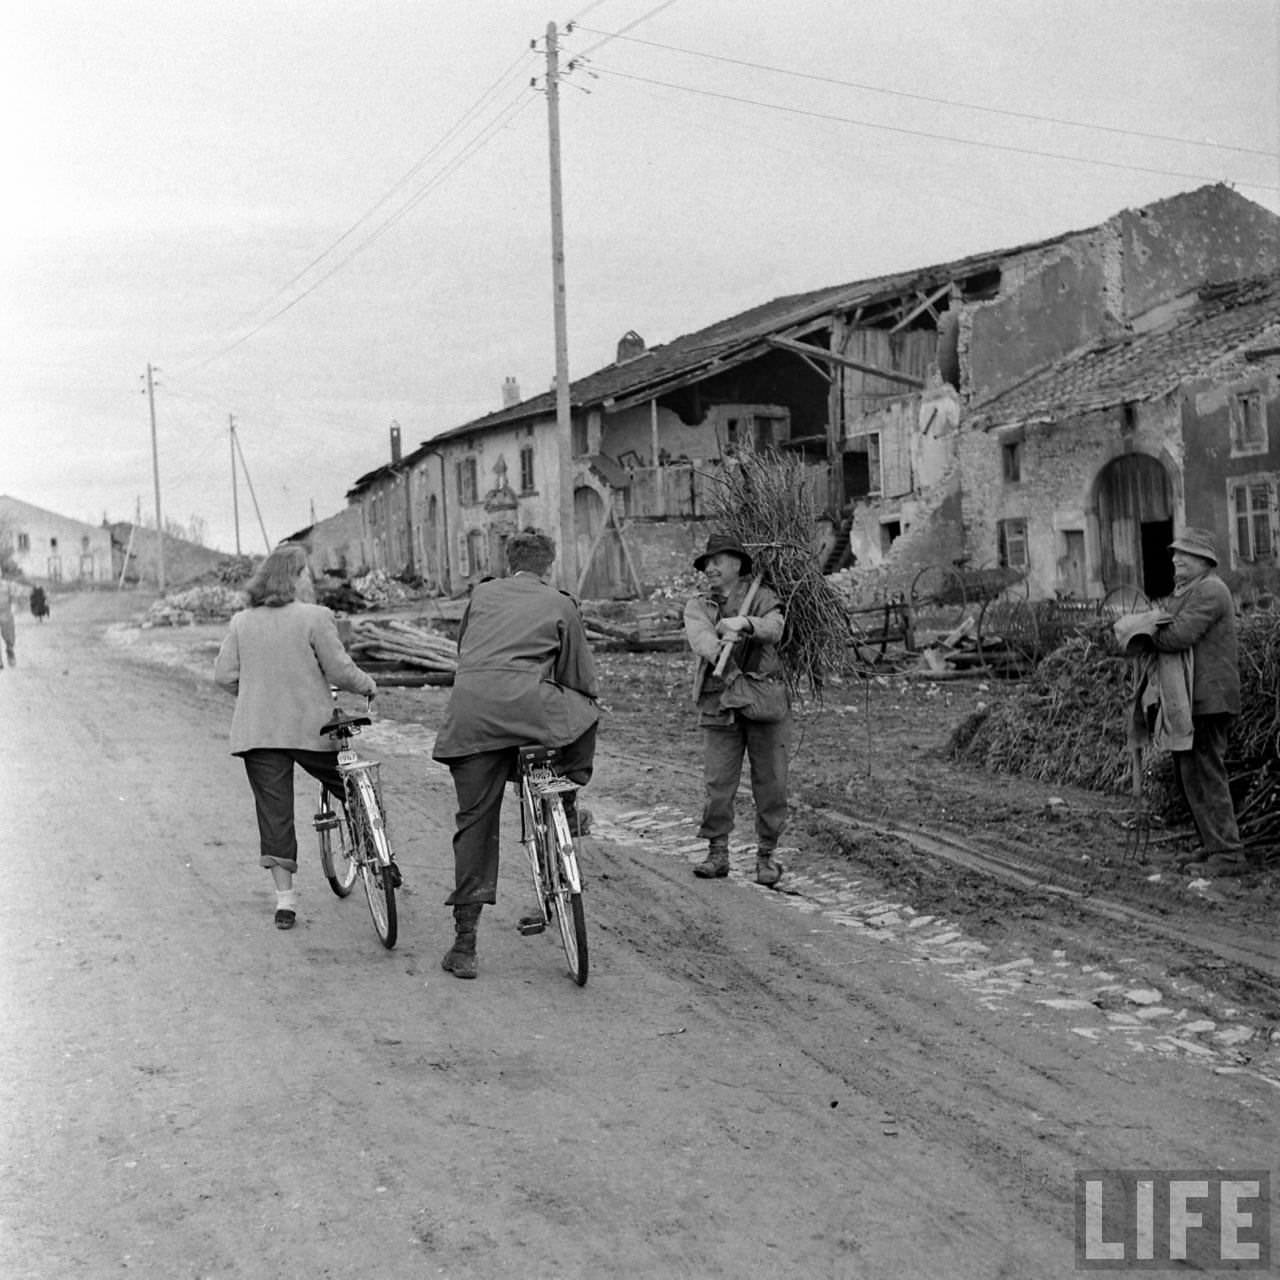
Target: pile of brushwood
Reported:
[(394, 643), (1067, 724), (764, 500)]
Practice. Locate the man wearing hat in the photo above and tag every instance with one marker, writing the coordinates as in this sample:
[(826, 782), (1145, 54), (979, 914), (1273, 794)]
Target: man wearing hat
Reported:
[(742, 704), (1202, 618)]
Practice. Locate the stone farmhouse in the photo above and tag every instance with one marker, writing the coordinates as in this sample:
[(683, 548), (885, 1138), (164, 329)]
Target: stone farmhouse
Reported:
[(1055, 409), (50, 548)]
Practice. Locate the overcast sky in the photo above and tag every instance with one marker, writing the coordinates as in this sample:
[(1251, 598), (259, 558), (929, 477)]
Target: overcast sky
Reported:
[(325, 215)]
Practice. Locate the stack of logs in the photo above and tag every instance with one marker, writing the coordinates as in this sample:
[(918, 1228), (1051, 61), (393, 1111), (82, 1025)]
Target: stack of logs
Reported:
[(396, 652)]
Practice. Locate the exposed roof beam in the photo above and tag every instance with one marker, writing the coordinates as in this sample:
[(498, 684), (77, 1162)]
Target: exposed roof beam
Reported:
[(804, 349), (926, 304)]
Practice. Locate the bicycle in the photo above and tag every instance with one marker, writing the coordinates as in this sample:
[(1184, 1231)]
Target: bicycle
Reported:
[(355, 843), (553, 861)]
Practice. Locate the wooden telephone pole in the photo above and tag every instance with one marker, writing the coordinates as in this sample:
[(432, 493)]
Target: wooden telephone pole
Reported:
[(155, 472), (235, 491), (568, 549)]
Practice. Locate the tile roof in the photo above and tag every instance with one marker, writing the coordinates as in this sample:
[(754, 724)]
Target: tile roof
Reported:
[(696, 354), (1223, 322)]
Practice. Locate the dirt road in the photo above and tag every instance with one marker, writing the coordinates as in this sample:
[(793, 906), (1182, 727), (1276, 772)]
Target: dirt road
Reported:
[(820, 1084)]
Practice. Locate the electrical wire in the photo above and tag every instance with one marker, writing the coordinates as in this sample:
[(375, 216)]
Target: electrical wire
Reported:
[(920, 97), (923, 133), (504, 116), (618, 35)]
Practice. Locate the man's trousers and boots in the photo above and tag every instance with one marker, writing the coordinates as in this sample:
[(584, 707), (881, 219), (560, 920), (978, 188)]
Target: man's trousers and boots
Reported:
[(765, 746), (460, 959)]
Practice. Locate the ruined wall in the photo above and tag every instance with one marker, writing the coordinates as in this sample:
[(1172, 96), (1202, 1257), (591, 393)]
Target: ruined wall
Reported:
[(1049, 304), (1200, 237)]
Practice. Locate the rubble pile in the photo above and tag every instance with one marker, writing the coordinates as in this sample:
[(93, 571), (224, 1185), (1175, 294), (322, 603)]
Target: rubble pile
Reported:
[(207, 602)]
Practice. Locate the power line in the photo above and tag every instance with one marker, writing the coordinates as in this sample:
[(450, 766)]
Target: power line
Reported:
[(919, 97), (469, 149), (922, 133)]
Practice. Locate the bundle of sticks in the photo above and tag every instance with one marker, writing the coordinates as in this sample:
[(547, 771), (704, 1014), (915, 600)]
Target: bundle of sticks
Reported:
[(392, 640), (765, 501)]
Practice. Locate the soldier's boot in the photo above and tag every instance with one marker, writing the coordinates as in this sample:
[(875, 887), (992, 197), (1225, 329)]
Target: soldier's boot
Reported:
[(716, 863), (768, 869), (460, 959)]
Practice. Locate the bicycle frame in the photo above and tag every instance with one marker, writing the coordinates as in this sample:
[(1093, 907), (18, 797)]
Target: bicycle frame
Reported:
[(370, 852), (553, 858)]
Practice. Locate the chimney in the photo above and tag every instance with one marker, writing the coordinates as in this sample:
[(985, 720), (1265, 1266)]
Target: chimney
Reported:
[(395, 442), (630, 345), (510, 392)]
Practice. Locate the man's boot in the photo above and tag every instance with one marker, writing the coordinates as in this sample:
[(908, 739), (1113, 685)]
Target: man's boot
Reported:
[(768, 869), (460, 959), (716, 863)]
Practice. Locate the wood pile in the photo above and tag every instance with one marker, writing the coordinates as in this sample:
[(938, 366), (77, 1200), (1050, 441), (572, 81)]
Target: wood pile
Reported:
[(1068, 724), (395, 651)]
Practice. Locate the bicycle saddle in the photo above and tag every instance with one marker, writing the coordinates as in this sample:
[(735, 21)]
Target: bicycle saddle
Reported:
[(532, 756), (339, 723)]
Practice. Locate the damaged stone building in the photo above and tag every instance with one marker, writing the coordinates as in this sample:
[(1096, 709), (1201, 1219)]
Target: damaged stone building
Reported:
[(1055, 408)]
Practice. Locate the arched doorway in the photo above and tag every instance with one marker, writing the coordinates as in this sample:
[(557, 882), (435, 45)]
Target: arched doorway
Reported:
[(1134, 501)]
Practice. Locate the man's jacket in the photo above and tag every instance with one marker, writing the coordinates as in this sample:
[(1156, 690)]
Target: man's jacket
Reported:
[(525, 671), (1203, 619)]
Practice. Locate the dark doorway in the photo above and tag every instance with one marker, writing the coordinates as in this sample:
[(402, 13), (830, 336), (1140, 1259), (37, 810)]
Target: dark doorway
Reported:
[(1135, 524), (1157, 567)]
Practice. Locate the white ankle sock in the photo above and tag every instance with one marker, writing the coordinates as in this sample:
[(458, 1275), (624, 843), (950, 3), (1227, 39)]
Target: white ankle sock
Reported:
[(286, 899)]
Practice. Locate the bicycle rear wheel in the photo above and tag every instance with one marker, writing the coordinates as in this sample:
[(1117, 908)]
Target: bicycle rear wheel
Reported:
[(375, 860), (337, 847), (564, 891)]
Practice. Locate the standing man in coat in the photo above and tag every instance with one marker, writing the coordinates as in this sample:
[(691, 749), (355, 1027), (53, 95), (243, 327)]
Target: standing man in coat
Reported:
[(525, 676), (743, 708), (1202, 620)]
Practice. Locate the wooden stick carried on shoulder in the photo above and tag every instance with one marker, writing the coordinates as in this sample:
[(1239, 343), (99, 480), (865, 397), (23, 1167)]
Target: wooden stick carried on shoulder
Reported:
[(726, 645)]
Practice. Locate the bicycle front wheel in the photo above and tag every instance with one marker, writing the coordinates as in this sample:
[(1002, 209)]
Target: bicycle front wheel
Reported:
[(375, 861), (562, 873), (337, 846)]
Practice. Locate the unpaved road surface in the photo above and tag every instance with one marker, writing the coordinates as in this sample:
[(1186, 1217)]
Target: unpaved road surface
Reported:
[(825, 1083)]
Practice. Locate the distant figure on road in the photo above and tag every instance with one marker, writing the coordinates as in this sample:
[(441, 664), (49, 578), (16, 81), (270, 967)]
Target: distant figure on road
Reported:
[(7, 632), (39, 604), (280, 657), (525, 676), (743, 709)]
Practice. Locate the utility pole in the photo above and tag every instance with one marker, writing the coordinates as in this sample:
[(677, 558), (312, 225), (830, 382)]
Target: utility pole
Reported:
[(248, 479), (564, 418), (235, 492), (155, 472)]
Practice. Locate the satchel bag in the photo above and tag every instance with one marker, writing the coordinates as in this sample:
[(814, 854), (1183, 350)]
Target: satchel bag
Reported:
[(756, 698)]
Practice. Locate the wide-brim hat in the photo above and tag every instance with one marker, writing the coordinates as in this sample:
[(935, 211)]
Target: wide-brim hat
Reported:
[(1196, 542), (723, 544)]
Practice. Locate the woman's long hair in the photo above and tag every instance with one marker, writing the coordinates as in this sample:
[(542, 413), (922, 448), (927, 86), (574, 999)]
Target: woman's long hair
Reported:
[(275, 582)]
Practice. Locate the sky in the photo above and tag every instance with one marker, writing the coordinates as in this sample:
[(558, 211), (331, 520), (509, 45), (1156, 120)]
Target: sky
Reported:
[(320, 217)]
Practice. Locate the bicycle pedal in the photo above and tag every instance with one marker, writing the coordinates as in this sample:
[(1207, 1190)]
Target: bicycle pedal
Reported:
[(529, 926)]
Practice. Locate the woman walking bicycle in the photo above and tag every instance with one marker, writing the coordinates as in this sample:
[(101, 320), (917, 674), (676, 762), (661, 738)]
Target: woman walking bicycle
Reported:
[(280, 658)]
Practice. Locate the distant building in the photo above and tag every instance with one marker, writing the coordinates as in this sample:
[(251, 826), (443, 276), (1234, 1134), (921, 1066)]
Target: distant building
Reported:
[(51, 548)]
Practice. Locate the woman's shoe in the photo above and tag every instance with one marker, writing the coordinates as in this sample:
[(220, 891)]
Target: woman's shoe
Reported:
[(285, 918)]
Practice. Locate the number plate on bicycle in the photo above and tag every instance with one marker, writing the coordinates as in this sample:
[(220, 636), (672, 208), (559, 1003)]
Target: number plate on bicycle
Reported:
[(347, 757)]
